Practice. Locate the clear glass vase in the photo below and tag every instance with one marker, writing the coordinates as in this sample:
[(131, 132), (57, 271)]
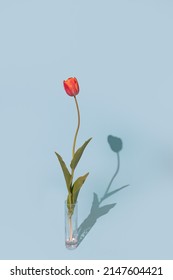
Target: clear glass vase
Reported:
[(71, 225)]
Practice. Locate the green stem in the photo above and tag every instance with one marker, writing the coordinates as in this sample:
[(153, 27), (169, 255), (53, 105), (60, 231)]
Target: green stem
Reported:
[(75, 137), (70, 229)]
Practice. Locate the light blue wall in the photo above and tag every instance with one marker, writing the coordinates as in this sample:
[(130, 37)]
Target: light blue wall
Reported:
[(121, 53)]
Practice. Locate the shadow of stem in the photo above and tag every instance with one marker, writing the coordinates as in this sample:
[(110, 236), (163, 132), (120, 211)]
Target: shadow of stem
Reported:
[(96, 210)]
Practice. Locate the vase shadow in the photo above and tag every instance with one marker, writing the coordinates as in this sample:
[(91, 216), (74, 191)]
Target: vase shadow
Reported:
[(96, 209)]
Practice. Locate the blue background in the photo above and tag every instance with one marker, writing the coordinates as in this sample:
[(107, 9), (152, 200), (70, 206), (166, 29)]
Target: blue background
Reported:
[(121, 53)]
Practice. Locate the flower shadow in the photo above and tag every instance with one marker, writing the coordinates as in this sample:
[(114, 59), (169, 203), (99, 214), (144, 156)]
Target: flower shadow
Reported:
[(96, 209)]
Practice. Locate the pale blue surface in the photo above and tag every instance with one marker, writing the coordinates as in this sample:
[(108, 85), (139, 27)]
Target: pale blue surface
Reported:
[(121, 53)]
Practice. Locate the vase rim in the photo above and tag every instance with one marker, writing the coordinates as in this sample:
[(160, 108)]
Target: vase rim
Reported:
[(71, 203)]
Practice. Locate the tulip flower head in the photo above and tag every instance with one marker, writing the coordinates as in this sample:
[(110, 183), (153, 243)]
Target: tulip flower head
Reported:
[(71, 86)]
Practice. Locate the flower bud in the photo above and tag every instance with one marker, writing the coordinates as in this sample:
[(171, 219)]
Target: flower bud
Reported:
[(71, 86)]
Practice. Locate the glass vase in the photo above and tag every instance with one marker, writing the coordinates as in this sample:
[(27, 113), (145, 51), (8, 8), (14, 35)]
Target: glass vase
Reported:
[(71, 225)]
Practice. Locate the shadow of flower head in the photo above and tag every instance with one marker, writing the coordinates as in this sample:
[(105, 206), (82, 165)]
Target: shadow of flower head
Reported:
[(115, 143)]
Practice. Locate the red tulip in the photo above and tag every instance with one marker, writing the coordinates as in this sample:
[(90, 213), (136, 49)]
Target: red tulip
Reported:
[(71, 86)]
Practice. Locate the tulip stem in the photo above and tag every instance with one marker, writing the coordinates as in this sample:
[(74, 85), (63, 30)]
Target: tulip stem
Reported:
[(75, 137), (70, 229)]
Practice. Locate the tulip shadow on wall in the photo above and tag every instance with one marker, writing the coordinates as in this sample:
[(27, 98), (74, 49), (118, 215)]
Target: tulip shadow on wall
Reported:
[(97, 210)]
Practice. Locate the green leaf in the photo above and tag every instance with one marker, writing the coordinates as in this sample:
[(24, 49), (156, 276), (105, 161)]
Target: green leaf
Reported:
[(77, 186), (69, 198), (78, 154), (66, 173), (70, 204)]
